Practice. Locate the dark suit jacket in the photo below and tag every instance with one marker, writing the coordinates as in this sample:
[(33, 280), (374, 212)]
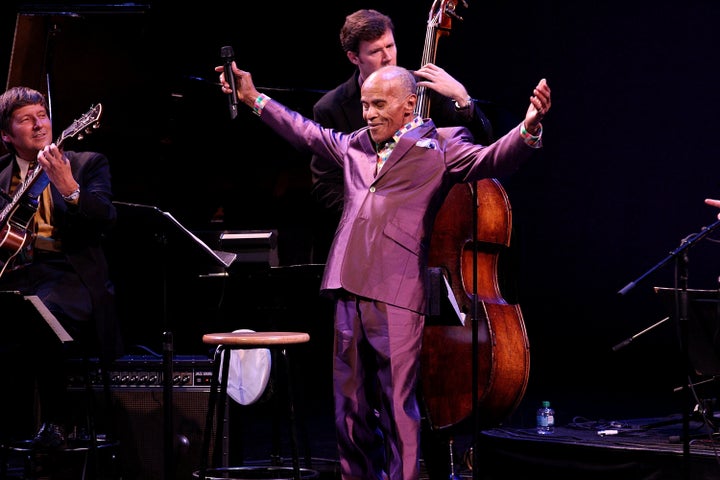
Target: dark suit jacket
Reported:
[(82, 228), (380, 249)]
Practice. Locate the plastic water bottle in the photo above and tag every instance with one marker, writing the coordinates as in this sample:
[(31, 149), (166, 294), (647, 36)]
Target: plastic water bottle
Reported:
[(545, 419)]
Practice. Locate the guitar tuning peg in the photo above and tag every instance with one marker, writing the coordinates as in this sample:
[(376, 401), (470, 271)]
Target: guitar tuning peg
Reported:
[(80, 136)]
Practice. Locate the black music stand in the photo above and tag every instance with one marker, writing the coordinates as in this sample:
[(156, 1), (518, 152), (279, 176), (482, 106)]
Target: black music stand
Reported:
[(29, 314), (166, 230), (703, 328), (146, 226), (700, 340)]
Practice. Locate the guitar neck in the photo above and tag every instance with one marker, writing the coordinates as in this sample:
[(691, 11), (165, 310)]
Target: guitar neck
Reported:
[(35, 182)]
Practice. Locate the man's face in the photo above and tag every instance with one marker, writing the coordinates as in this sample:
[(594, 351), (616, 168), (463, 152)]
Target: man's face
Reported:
[(374, 54), (387, 107), (30, 131)]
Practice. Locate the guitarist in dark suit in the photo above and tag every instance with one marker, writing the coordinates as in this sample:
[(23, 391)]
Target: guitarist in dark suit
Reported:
[(61, 259)]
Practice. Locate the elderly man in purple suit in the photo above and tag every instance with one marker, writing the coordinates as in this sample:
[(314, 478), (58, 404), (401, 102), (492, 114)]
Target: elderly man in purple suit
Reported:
[(397, 172)]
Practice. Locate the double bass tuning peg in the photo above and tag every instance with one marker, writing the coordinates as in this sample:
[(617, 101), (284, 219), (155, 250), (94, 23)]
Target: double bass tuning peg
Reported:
[(454, 14), (450, 10)]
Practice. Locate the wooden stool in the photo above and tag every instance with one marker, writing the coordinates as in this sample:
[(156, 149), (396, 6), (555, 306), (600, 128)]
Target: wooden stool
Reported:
[(226, 342)]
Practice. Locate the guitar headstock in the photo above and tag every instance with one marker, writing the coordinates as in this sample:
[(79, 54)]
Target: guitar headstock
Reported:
[(82, 126)]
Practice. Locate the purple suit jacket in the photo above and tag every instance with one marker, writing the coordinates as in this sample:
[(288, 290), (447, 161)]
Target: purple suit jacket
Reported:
[(381, 245)]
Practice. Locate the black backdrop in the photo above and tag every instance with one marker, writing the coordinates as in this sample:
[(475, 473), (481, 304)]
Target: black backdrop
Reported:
[(630, 152)]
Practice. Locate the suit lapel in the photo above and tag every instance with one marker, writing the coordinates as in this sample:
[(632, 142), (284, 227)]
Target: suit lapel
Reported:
[(369, 164), (350, 104), (6, 169)]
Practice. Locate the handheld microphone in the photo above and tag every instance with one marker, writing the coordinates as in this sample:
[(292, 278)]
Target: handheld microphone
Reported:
[(228, 55)]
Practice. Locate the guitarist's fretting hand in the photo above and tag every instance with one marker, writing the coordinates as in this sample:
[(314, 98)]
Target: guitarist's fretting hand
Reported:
[(57, 168)]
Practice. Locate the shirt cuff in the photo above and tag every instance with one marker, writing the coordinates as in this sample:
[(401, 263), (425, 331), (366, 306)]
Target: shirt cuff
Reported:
[(534, 141), (260, 102)]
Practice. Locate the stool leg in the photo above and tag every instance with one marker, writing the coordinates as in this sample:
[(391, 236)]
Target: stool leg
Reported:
[(293, 426), (221, 409), (278, 400), (214, 383)]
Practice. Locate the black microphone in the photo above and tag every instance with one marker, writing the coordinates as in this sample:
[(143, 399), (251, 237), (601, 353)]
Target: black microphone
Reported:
[(228, 55)]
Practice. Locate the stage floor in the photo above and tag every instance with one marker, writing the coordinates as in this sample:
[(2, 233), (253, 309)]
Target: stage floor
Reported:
[(648, 449), (642, 449)]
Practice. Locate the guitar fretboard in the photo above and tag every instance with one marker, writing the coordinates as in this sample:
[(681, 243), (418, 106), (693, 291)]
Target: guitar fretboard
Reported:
[(22, 190)]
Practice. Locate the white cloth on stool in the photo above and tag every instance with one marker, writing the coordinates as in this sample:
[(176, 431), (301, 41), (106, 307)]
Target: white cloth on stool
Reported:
[(249, 373)]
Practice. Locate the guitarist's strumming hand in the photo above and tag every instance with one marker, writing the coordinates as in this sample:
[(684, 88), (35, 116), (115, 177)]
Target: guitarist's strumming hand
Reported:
[(57, 168)]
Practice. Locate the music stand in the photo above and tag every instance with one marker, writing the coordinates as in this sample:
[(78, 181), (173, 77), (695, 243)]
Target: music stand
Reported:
[(167, 230), (703, 334), (29, 314), (700, 344)]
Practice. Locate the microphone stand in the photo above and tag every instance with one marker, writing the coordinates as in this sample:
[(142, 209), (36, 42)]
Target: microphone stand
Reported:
[(684, 245), (627, 341), (680, 254)]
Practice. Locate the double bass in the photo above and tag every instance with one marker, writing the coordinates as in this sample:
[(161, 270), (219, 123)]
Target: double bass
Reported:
[(471, 230)]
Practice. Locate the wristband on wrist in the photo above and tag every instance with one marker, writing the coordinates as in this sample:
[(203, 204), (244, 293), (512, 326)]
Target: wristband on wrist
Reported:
[(260, 102), (529, 138), (468, 104)]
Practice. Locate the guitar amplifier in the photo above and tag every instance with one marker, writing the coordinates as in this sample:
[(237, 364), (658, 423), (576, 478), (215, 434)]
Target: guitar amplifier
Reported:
[(138, 412), (146, 372)]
